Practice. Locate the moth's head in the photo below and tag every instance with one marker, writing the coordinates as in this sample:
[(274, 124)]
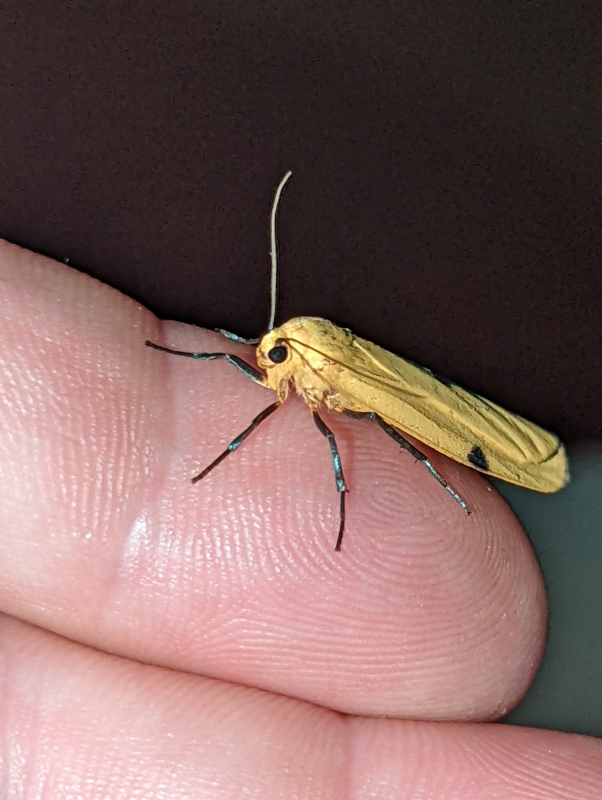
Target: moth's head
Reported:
[(275, 355), (285, 350), (298, 351)]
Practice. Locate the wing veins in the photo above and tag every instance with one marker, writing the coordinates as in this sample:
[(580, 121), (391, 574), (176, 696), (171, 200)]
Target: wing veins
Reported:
[(494, 417), (367, 376)]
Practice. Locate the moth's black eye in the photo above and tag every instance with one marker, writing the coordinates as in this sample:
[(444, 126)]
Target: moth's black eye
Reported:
[(278, 354)]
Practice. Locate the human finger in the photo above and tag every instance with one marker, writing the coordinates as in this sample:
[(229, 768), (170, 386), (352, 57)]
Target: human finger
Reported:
[(425, 613), (80, 723)]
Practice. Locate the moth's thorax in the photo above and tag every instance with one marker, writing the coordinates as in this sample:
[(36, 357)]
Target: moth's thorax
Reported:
[(307, 340)]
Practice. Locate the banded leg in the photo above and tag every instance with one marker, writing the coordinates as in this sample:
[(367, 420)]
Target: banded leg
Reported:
[(236, 361), (405, 445), (338, 473), (236, 338), (236, 443)]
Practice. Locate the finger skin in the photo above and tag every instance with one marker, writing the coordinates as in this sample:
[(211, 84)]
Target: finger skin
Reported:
[(413, 760), (85, 724), (425, 613)]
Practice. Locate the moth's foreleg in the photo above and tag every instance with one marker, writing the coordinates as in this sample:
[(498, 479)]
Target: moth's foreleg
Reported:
[(234, 337), (236, 361), (405, 445), (235, 443), (338, 473)]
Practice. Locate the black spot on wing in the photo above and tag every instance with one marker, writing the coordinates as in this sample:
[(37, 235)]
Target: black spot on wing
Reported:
[(477, 458)]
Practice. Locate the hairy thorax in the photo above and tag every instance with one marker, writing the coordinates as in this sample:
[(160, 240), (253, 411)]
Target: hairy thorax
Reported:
[(315, 350)]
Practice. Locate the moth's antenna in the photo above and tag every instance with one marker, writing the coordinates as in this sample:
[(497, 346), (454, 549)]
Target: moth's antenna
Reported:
[(273, 254)]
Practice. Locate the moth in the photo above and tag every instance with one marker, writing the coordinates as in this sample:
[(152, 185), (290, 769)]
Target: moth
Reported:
[(330, 367)]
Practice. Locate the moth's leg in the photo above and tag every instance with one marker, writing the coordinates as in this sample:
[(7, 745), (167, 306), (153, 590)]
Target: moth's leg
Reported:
[(405, 445), (236, 338), (235, 443), (237, 362), (338, 472)]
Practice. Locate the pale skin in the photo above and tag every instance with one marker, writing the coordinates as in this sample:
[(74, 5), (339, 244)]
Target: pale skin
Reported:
[(166, 640)]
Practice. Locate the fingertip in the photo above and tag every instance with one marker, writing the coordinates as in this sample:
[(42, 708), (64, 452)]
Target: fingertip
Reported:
[(421, 611)]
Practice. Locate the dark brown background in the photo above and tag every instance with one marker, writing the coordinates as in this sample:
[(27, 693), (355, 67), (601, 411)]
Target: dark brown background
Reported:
[(445, 203), (446, 196)]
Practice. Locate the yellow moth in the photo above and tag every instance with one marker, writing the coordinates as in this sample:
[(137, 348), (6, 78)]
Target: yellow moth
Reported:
[(331, 367)]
